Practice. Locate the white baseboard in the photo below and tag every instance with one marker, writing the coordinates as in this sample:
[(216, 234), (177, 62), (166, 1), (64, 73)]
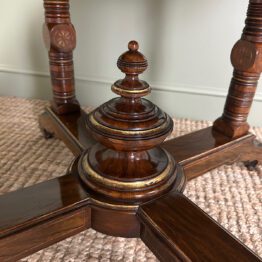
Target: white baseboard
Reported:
[(177, 88), (193, 102)]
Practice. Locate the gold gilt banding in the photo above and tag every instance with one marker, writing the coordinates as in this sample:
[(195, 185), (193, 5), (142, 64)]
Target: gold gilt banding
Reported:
[(246, 81), (126, 132), (121, 90), (55, 2), (64, 97), (109, 205), (254, 17), (122, 184), (62, 62), (63, 78)]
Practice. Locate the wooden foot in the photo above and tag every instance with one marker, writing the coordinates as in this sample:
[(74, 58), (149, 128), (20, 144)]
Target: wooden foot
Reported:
[(47, 134), (253, 161), (251, 165)]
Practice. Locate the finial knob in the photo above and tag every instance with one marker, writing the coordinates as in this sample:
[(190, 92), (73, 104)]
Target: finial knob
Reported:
[(128, 119), (132, 62), (133, 45)]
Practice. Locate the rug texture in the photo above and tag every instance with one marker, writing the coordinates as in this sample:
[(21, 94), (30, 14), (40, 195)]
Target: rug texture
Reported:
[(230, 194)]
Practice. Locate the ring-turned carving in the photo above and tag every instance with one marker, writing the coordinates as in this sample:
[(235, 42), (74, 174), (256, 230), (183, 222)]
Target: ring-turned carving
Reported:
[(60, 40), (246, 60), (127, 163)]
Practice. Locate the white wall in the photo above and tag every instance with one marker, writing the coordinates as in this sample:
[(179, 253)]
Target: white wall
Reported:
[(187, 43)]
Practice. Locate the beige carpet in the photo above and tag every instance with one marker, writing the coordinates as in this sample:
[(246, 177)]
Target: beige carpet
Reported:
[(230, 194)]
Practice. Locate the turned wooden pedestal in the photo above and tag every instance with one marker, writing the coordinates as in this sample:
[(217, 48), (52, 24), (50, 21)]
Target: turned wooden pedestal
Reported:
[(126, 180)]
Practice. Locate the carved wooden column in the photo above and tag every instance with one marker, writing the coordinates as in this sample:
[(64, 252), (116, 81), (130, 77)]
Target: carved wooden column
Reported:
[(246, 57), (60, 40)]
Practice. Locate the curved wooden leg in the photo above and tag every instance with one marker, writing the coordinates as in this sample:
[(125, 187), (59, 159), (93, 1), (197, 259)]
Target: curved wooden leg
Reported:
[(175, 229), (60, 40), (246, 57)]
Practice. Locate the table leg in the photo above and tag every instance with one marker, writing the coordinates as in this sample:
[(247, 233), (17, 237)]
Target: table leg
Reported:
[(60, 39), (246, 57)]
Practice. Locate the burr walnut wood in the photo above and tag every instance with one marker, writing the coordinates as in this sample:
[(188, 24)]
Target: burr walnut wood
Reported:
[(246, 57), (183, 232), (60, 40)]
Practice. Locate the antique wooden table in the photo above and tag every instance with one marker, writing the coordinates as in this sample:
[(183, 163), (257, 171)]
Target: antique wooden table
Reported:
[(125, 181)]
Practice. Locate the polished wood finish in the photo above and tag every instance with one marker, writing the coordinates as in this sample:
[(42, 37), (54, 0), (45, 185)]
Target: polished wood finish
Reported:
[(206, 149), (116, 222), (197, 152), (70, 128), (60, 40), (38, 216), (175, 229), (129, 183), (127, 163), (172, 226), (43, 235), (40, 202), (247, 61)]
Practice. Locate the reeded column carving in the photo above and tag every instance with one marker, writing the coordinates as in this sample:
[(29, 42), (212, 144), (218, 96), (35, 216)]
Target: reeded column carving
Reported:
[(246, 58), (60, 40)]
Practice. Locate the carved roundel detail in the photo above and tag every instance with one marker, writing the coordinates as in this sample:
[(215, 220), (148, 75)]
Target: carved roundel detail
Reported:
[(243, 55), (63, 37)]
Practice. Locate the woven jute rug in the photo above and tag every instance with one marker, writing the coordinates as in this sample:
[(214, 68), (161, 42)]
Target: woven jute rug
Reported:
[(230, 194)]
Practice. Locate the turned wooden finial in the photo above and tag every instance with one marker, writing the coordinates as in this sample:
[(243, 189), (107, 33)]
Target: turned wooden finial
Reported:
[(129, 118), (127, 163), (132, 63)]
